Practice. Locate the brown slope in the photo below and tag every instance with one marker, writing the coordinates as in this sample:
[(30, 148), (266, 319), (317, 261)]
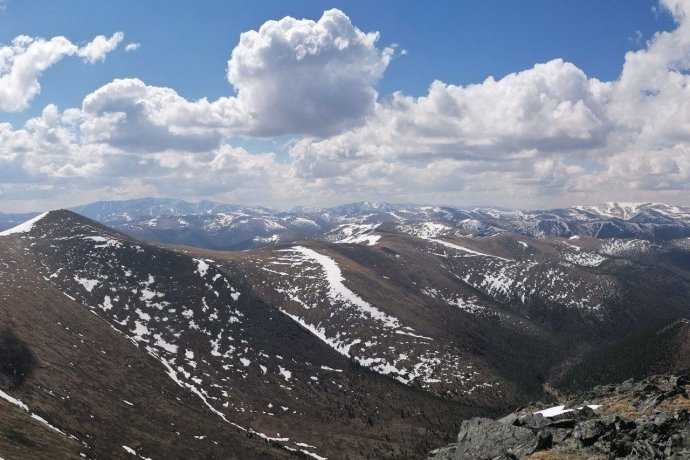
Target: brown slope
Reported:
[(23, 437), (85, 371)]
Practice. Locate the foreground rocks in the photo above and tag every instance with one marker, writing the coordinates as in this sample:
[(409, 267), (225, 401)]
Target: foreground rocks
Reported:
[(649, 419)]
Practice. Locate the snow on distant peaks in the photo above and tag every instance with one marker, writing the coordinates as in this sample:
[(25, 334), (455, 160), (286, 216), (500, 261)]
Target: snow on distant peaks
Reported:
[(627, 210), (26, 227)]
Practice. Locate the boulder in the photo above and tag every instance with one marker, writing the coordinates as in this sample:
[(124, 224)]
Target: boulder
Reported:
[(589, 431), (483, 438)]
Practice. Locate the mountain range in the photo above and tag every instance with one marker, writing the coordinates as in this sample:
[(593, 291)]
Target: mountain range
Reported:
[(221, 226), (369, 330)]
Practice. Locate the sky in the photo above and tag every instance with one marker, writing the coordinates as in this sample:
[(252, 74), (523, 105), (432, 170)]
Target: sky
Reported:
[(286, 103)]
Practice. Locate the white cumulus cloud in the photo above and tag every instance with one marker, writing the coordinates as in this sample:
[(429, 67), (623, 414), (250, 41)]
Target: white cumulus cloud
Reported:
[(303, 76), (129, 115), (96, 49), (23, 61), (21, 64)]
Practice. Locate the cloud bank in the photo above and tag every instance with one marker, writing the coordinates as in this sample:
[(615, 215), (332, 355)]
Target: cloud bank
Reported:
[(547, 135)]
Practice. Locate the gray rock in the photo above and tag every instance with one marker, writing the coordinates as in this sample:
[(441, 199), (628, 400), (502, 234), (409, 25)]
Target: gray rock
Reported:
[(658, 430), (559, 435), (509, 419), (589, 431), (544, 440), (535, 421), (563, 423), (482, 438), (585, 413)]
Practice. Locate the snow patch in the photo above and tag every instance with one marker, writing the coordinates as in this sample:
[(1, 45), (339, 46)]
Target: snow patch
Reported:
[(26, 227), (558, 410), (467, 250), (86, 283), (287, 375), (202, 267)]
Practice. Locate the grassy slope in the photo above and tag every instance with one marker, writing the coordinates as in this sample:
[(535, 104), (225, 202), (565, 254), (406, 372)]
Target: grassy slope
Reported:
[(22, 437)]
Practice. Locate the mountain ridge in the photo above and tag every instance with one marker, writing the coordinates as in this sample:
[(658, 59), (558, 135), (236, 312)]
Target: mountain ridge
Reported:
[(221, 226)]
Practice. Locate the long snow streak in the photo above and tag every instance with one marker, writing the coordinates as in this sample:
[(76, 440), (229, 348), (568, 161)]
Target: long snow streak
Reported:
[(469, 251), (337, 291)]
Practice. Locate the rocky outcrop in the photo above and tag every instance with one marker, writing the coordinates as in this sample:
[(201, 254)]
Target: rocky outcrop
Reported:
[(649, 419)]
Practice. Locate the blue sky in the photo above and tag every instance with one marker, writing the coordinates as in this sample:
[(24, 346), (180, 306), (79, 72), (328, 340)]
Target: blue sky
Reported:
[(588, 101)]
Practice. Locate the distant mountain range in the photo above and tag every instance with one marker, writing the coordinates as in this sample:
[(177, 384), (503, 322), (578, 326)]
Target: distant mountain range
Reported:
[(232, 227)]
